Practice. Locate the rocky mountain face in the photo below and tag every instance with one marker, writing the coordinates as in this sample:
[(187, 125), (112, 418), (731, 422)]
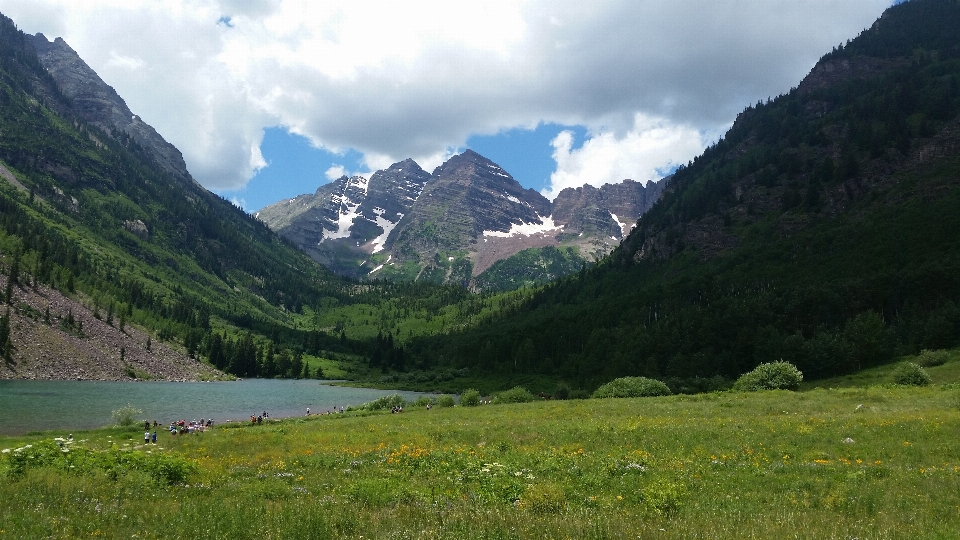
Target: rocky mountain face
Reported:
[(454, 224), (98, 103), (609, 211), (349, 219)]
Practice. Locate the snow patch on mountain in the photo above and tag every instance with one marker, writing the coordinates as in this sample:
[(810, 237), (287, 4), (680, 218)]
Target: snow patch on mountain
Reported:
[(623, 227), (387, 227), (382, 265), (526, 229)]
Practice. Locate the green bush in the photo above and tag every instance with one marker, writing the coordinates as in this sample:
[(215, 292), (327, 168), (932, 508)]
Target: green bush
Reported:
[(446, 400), (423, 401), (126, 416), (928, 358), (470, 397), (911, 374), (517, 394), (384, 402), (562, 391), (626, 387), (773, 376)]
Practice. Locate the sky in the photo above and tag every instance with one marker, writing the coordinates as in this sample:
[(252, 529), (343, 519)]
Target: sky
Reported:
[(269, 99)]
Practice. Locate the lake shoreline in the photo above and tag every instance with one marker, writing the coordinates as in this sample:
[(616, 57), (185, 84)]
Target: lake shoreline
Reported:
[(37, 405)]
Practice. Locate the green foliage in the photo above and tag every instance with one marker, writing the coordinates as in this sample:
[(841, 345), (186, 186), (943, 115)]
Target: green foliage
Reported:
[(470, 398), (517, 394), (693, 466), (126, 415), (384, 402), (772, 376), (628, 387), (530, 268), (910, 374), (423, 401), (69, 458), (663, 498), (544, 499), (445, 400), (928, 358), (804, 234)]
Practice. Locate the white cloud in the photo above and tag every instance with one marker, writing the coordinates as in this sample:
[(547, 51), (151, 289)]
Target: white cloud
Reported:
[(649, 147), (335, 172), (394, 79), (124, 62)]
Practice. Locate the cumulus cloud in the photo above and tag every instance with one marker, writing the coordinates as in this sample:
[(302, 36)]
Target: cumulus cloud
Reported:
[(335, 172), (640, 154), (395, 79)]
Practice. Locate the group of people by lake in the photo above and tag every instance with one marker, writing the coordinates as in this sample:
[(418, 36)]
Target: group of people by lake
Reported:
[(181, 427), (258, 419)]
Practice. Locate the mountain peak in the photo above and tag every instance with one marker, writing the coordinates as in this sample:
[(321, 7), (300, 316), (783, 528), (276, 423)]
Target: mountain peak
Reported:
[(454, 224), (98, 103)]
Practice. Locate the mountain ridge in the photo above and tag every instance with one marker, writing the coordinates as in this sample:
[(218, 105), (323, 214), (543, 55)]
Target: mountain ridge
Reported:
[(99, 104), (820, 230), (456, 223)]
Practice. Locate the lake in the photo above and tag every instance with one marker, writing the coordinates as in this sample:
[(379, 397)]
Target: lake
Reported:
[(74, 405)]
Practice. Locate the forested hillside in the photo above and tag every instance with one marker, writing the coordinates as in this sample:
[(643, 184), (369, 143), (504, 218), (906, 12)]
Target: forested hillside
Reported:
[(822, 230), (89, 214)]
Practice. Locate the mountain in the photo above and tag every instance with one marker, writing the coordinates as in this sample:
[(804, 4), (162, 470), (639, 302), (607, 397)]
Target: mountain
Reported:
[(821, 230), (350, 218), (457, 224), (114, 262), (99, 104)]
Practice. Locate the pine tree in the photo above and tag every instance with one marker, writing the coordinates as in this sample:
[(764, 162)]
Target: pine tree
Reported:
[(5, 335)]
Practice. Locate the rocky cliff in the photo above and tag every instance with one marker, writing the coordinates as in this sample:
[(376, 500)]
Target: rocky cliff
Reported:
[(98, 103), (454, 224)]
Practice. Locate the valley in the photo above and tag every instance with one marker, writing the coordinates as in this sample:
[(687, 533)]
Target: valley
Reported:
[(765, 343), (803, 234)]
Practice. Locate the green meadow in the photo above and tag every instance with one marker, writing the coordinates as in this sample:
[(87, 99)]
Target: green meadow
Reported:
[(877, 462)]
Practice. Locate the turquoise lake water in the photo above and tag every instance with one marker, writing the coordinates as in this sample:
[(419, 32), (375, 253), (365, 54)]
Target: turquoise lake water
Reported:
[(73, 405)]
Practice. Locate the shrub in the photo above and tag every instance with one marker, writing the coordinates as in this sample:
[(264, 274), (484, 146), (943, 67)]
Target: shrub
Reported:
[(773, 376), (470, 398), (626, 387), (517, 394), (423, 401), (579, 393), (384, 402), (911, 374), (697, 385), (126, 416), (562, 392), (928, 358), (446, 400)]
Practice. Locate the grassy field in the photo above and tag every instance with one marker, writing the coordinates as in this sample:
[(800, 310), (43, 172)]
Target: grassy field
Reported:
[(880, 462)]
